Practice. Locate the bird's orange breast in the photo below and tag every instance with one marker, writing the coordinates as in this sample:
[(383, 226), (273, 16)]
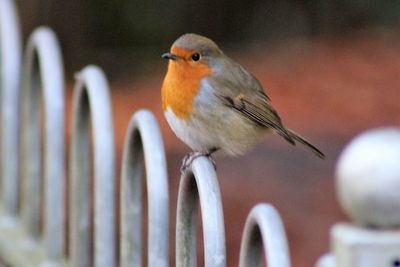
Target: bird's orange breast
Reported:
[(181, 84)]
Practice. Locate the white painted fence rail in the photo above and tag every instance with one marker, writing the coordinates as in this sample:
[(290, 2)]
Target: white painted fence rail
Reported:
[(10, 74), (200, 184), (33, 189), (92, 110), (264, 229), (43, 81), (144, 137)]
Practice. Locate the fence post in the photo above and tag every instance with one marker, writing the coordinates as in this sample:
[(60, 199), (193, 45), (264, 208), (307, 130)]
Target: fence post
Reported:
[(91, 107), (43, 78), (10, 65), (144, 137), (368, 183), (264, 229), (200, 183)]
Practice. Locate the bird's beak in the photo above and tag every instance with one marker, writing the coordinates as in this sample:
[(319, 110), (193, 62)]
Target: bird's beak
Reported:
[(170, 56)]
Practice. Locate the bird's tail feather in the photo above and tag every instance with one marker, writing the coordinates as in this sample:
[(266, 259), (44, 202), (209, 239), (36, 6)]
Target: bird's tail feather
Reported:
[(302, 140)]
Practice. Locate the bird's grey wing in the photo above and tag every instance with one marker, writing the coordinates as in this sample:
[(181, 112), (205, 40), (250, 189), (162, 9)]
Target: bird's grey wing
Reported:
[(240, 90), (257, 109)]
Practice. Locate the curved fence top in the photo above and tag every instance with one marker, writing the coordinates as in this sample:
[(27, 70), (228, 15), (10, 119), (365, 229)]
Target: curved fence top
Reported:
[(43, 78), (200, 183), (144, 137), (264, 231), (91, 103)]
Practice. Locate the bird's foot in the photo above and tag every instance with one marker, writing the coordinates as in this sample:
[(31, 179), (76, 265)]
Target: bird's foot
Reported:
[(189, 158)]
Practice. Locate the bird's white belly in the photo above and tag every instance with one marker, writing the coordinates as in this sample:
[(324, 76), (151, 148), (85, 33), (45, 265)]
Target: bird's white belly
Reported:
[(190, 132), (228, 131)]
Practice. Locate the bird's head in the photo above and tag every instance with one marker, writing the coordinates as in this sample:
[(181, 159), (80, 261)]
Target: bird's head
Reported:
[(193, 50)]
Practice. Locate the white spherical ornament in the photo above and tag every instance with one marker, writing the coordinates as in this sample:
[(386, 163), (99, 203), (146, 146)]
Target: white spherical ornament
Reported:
[(368, 178)]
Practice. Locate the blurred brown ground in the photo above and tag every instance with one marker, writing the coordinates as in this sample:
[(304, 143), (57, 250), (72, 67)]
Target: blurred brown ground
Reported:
[(327, 90)]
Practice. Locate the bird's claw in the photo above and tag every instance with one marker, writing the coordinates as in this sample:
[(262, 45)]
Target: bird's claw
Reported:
[(189, 158)]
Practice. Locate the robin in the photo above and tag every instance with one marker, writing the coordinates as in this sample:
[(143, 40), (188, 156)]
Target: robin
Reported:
[(215, 105)]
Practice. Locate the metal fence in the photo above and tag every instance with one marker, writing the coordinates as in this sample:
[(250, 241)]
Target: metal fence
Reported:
[(33, 180)]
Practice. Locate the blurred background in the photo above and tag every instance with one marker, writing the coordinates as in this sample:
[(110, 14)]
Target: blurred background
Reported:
[(331, 68)]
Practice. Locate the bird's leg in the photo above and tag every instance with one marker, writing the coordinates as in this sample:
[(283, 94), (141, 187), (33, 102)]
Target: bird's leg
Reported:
[(188, 159)]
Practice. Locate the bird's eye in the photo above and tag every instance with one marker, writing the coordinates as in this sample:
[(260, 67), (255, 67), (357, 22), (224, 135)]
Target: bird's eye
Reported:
[(196, 57)]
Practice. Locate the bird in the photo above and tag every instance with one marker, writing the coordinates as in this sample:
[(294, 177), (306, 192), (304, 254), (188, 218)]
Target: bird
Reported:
[(214, 105)]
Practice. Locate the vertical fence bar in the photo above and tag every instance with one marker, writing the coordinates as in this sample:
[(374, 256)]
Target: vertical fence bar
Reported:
[(264, 229), (144, 137), (10, 64), (43, 71), (91, 103), (200, 183)]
